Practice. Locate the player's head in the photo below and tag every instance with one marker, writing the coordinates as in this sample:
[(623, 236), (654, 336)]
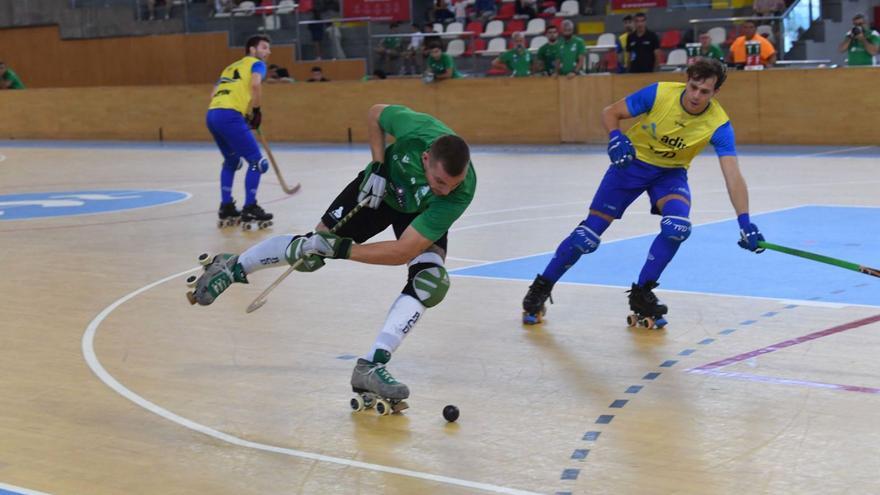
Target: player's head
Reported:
[(704, 78), (258, 46), (749, 29), (567, 29), (552, 33), (519, 39), (628, 23), (446, 164)]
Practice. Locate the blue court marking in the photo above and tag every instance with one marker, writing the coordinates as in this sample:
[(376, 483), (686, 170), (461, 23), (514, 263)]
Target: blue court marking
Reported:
[(592, 436), (651, 376), (618, 404), (69, 203), (768, 314), (346, 356), (711, 262), (7, 492), (570, 474), (604, 419), (687, 352), (580, 454), (668, 364), (563, 149), (751, 322), (705, 341), (727, 331), (633, 389)]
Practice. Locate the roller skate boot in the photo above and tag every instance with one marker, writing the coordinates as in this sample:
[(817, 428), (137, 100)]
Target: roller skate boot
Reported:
[(647, 310), (254, 217), (533, 304), (229, 215), (220, 272), (375, 387)]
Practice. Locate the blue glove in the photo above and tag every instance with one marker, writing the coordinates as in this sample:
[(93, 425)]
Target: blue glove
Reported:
[(749, 235), (620, 149)]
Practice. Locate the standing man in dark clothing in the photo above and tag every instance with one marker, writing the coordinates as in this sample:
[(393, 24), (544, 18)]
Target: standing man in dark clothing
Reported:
[(643, 47)]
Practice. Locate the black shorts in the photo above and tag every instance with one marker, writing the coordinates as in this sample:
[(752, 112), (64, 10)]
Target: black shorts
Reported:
[(368, 222)]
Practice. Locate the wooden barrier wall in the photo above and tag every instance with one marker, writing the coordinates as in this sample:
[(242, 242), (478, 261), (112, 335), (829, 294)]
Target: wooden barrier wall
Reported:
[(43, 60), (832, 107)]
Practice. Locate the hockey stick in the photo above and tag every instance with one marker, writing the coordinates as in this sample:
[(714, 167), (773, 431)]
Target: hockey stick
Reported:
[(261, 299), (820, 258), (284, 186)]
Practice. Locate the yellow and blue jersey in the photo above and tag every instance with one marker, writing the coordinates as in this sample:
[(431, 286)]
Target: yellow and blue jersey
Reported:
[(667, 136), (233, 90)]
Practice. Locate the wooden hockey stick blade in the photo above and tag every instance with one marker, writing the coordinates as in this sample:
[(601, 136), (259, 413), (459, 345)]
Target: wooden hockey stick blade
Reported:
[(821, 258), (263, 297), (287, 189)]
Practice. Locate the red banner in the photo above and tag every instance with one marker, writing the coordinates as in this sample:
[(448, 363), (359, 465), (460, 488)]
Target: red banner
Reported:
[(636, 4), (397, 10)]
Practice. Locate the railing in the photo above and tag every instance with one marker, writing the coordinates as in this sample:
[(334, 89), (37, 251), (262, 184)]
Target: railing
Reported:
[(454, 35), (774, 21)]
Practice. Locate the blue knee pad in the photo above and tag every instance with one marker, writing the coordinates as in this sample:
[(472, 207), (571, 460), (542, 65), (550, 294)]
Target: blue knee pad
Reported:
[(676, 229), (261, 166), (584, 239), (233, 164)]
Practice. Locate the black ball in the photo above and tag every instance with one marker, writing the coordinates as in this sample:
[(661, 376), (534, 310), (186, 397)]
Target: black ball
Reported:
[(450, 413)]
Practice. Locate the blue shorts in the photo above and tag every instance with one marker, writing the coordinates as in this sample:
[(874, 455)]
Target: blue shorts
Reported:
[(621, 186), (233, 135)]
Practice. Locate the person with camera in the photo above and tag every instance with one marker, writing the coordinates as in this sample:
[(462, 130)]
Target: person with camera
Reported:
[(861, 43)]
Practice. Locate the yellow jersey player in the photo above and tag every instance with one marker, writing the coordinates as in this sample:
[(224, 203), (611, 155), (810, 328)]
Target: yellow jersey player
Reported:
[(233, 112), (677, 120)]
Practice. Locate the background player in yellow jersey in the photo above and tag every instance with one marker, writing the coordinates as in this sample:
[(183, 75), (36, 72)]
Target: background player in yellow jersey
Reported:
[(677, 121), (234, 111)]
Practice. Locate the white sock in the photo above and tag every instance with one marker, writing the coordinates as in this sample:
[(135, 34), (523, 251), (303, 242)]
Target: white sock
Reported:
[(402, 317), (266, 254)]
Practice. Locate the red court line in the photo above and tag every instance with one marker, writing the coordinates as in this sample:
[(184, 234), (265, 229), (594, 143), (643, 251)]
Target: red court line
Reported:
[(788, 381), (787, 343)]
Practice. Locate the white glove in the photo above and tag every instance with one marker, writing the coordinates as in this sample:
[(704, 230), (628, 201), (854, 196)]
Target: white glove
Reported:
[(373, 187)]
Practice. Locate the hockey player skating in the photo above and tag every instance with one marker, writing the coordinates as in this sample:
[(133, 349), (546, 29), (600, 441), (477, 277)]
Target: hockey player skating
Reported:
[(419, 185), (233, 112), (677, 121)]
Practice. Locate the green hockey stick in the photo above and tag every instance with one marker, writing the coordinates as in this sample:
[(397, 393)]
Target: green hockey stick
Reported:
[(820, 258)]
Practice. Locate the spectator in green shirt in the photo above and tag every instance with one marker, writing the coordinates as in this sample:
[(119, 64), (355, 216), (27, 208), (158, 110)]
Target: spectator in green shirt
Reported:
[(709, 49), (861, 43), (517, 60), (572, 52), (389, 48), (549, 52), (9, 79), (440, 65)]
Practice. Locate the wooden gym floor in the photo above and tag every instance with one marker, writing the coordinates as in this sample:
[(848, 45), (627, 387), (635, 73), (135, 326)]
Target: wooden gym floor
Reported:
[(765, 380)]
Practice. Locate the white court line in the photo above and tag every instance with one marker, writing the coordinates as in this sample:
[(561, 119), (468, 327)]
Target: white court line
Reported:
[(834, 152), (18, 489), (2, 159), (88, 350), (467, 260)]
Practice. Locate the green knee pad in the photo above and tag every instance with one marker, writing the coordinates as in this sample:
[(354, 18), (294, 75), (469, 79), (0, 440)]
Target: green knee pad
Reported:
[(429, 284), (309, 263)]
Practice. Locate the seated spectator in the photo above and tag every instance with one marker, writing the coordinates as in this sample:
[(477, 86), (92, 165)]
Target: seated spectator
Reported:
[(317, 75), (527, 8), (484, 10), (572, 52), (440, 65), (414, 54), (276, 74), (389, 48), (767, 8), (737, 53), (861, 43), (517, 60), (9, 79), (442, 11), (709, 49)]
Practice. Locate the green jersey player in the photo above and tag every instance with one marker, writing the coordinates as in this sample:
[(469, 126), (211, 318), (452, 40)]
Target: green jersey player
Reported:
[(419, 185)]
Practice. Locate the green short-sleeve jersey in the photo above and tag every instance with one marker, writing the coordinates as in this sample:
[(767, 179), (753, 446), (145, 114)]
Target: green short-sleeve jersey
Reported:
[(714, 51), (569, 52), (857, 55), (391, 43), (407, 188), (439, 66), (547, 54), (518, 61), (10, 75)]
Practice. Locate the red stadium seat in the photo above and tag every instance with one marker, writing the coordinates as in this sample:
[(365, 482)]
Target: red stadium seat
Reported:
[(670, 39), (506, 11), (514, 26), (475, 44)]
